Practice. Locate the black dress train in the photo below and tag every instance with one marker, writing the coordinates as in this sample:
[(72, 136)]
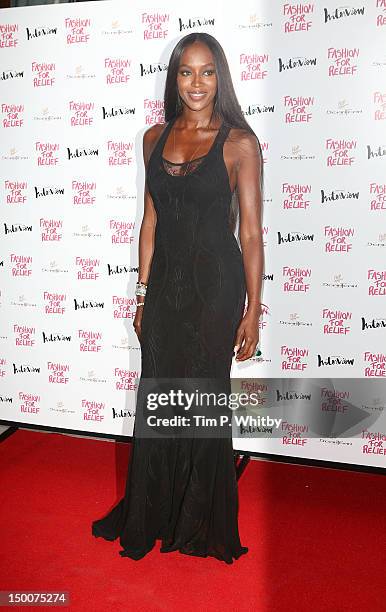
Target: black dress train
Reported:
[(184, 491)]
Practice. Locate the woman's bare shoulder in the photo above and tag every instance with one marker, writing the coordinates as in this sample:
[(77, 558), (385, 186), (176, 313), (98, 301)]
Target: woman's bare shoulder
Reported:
[(242, 144), (150, 138)]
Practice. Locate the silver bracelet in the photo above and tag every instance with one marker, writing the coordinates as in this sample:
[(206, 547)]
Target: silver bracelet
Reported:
[(140, 288)]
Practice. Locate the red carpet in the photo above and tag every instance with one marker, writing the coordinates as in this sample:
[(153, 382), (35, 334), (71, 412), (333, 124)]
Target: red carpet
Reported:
[(316, 536)]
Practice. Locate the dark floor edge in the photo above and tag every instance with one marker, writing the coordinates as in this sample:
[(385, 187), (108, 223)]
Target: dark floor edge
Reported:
[(354, 467)]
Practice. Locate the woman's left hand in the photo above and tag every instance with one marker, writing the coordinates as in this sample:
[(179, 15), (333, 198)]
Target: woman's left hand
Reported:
[(247, 335)]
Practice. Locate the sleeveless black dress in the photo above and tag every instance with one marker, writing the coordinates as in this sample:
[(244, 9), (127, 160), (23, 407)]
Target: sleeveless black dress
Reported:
[(184, 491)]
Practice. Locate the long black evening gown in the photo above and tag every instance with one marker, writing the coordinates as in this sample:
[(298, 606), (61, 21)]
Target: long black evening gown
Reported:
[(184, 491)]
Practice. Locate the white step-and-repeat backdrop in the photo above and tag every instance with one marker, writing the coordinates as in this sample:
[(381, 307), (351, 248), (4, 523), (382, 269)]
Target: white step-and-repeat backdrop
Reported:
[(79, 84)]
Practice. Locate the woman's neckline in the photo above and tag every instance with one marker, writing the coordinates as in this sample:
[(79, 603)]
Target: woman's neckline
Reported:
[(189, 161)]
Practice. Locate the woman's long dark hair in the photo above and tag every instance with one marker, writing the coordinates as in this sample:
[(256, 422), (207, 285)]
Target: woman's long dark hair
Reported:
[(226, 105)]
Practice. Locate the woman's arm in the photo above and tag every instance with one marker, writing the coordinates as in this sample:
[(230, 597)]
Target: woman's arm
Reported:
[(147, 230), (249, 168)]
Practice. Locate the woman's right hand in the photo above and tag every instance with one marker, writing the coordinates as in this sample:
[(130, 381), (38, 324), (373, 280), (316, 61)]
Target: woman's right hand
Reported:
[(137, 321)]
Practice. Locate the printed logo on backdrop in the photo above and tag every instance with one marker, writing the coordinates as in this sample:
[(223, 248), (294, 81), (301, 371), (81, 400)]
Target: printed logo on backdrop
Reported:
[(54, 268), (264, 149), (93, 410), (117, 111), (9, 35), (12, 115), (86, 232), (25, 368), (54, 303), (155, 25), (121, 194), (91, 377), (154, 111), (14, 228), (257, 109), (43, 74), (377, 282), (265, 313), (117, 29), (339, 283), (21, 265), (342, 12), (125, 380), (253, 66), (375, 364), (14, 155), (83, 193), (79, 73), (343, 61), (333, 400), (378, 323), (334, 360), (340, 152), (90, 341), (379, 100), (291, 237), (118, 269), (264, 232), (378, 196), (195, 23), (15, 192), (117, 70), (298, 109), (381, 17), (58, 373), (297, 17), (298, 61), (374, 442), (380, 242), (60, 407), (338, 239), (253, 22), (120, 153), (150, 69), (375, 406), (337, 195), (3, 363), (296, 279), (373, 153), (87, 304), (10, 75), (336, 321), (294, 433), (294, 358), (24, 335), (297, 196), (47, 153), (86, 268), (296, 154), (43, 192), (78, 153), (46, 115), (50, 230), (121, 232), (39, 33), (294, 320), (343, 110), (77, 30), (81, 113), (55, 338), (29, 402), (123, 307), (22, 301)]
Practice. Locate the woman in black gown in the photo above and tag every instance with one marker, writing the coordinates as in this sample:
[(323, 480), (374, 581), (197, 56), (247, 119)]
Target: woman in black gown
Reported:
[(183, 490)]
